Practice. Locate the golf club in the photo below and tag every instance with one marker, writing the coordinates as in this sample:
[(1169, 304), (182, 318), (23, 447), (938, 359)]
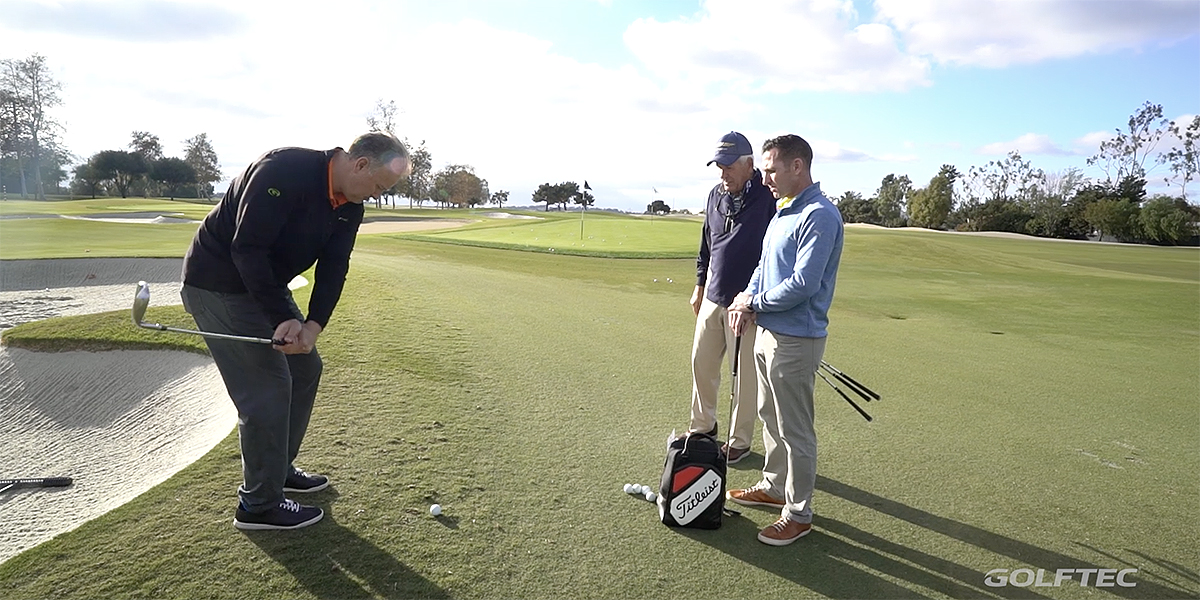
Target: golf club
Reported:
[(737, 358), (8, 484), (843, 381), (850, 381), (843, 395), (142, 299)]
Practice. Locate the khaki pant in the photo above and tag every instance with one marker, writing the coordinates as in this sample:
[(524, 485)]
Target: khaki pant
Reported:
[(709, 346), (787, 368)]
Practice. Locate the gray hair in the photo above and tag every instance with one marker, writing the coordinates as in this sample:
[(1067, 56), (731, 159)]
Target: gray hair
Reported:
[(381, 148)]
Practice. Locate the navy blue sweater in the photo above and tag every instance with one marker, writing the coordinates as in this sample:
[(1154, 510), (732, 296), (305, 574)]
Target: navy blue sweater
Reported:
[(732, 254), (278, 218)]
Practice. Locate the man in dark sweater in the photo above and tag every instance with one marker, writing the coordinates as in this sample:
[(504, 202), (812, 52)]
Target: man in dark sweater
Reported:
[(290, 209), (735, 220)]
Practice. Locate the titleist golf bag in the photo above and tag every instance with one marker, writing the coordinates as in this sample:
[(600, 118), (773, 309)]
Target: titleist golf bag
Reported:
[(692, 492)]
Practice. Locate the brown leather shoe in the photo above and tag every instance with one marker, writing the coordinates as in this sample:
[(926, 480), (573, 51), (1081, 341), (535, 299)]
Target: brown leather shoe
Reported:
[(754, 496), (734, 454), (783, 532)]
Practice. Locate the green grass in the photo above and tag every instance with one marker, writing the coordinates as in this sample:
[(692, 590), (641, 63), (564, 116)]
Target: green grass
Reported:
[(1040, 410), (603, 234)]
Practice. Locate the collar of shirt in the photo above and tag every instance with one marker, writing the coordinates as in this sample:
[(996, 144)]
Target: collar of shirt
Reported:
[(784, 203), (336, 199)]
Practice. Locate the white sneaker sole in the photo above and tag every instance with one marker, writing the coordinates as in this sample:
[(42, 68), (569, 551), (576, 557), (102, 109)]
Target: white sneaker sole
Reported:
[(265, 526), (306, 490), (775, 542)]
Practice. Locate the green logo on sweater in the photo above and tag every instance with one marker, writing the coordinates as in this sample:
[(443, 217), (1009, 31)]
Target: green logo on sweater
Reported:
[(273, 192)]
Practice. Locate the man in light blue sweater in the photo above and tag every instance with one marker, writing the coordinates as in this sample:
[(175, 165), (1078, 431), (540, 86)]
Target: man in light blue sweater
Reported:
[(788, 298)]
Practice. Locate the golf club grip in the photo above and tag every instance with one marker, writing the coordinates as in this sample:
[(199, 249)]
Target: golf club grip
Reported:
[(852, 387), (852, 380), (39, 481), (847, 398)]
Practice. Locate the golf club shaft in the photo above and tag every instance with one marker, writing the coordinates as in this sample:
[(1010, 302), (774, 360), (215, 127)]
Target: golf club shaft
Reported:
[(843, 395), (39, 482), (222, 336), (843, 381), (851, 380)]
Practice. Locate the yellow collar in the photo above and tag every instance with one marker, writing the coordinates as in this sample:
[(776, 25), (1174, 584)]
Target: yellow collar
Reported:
[(784, 202)]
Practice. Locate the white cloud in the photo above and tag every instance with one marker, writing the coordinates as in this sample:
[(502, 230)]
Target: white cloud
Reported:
[(1028, 144), (1090, 143), (997, 33), (777, 46)]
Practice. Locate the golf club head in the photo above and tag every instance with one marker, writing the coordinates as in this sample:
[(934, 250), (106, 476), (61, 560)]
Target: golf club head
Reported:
[(140, 301)]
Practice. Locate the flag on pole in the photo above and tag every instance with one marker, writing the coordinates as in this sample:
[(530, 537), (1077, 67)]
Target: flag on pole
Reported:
[(585, 185), (655, 190)]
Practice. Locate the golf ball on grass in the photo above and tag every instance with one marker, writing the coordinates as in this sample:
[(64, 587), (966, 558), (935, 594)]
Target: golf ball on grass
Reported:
[(651, 496), (435, 510), (628, 488)]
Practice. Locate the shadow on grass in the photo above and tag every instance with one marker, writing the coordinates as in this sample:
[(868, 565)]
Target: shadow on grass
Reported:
[(340, 564), (839, 560)]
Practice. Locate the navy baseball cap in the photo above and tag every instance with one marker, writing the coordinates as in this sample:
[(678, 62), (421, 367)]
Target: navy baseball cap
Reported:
[(732, 146)]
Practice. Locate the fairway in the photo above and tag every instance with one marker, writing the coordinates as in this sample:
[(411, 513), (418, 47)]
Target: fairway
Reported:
[(1041, 410)]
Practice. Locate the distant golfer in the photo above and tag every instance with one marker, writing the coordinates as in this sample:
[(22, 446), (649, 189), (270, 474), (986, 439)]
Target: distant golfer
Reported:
[(789, 297), (735, 219), (290, 209)]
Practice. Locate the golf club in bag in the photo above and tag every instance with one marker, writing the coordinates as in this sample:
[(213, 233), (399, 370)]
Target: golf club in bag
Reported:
[(8, 484), (142, 299)]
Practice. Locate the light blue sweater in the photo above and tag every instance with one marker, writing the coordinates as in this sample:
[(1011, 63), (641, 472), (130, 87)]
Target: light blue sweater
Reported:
[(792, 287)]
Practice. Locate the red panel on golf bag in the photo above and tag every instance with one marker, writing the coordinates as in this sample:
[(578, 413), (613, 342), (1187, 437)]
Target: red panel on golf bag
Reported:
[(692, 491)]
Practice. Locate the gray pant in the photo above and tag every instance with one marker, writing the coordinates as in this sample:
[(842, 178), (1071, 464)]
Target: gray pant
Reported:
[(787, 368), (712, 341), (273, 392)]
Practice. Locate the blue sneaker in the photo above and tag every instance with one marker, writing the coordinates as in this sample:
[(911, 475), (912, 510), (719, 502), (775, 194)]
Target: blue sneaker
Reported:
[(300, 482), (288, 514)]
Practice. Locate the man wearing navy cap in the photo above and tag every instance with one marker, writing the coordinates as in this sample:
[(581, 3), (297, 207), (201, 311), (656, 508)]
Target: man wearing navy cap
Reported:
[(735, 220)]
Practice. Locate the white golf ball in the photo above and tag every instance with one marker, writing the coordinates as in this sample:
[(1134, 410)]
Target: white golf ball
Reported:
[(655, 281), (435, 510), (637, 489), (629, 488), (651, 496)]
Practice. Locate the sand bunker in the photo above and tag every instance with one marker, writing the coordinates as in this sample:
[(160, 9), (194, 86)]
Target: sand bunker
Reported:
[(118, 423), (402, 224)]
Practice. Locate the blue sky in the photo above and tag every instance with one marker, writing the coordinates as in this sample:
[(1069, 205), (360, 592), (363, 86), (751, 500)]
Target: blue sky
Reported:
[(630, 96)]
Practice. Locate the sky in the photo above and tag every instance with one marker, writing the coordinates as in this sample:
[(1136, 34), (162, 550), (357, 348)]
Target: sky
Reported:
[(631, 97)]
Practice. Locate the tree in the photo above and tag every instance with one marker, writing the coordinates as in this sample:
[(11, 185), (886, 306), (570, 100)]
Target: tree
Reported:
[(202, 158), (172, 172), (383, 117), (30, 92), (87, 179), (458, 185), (1166, 220), (559, 193), (148, 146), (499, 198), (1114, 217), (856, 209), (1184, 161), (930, 206), (890, 200), (1048, 207), (119, 167), (1125, 154), (583, 198), (419, 185), (658, 207)]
